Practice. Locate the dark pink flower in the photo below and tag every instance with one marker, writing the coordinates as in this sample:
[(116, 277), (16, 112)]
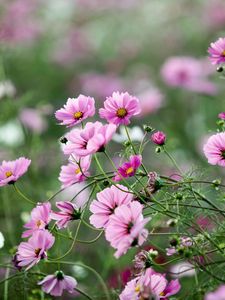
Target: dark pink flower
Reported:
[(75, 171), (126, 227), (217, 52), (91, 139), (55, 284), (221, 115), (119, 108), (218, 294), (31, 252), (68, 212), (76, 110), (150, 284), (128, 169), (40, 218), (158, 138), (214, 149), (11, 171), (107, 201)]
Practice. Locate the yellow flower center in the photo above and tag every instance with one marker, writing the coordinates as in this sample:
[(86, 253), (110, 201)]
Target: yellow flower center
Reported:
[(78, 115), (129, 170), (38, 223), (121, 112), (8, 174), (138, 288), (162, 294), (37, 251), (223, 53), (77, 171)]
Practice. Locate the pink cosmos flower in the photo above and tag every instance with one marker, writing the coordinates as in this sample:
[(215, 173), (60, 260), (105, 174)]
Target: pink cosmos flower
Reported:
[(151, 100), (91, 139), (76, 110), (221, 115), (11, 171), (128, 169), (68, 212), (217, 52), (218, 294), (119, 108), (75, 171), (31, 252), (40, 218), (188, 73), (55, 284), (158, 138), (126, 227), (107, 201), (214, 149), (150, 284)]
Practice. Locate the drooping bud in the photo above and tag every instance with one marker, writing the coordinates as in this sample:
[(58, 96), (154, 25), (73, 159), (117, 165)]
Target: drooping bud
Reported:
[(158, 138)]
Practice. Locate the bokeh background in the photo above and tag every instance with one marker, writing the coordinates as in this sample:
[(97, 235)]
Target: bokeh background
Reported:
[(55, 49)]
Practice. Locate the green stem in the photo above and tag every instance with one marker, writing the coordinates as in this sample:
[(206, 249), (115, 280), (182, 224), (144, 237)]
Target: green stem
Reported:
[(22, 195), (6, 284), (83, 293)]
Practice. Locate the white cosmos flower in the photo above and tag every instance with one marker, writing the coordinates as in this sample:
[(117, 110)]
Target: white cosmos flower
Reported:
[(183, 269), (136, 134), (2, 240)]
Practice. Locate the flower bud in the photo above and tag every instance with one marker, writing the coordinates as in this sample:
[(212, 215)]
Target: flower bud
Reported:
[(219, 69), (126, 144), (157, 150), (221, 115), (63, 140), (147, 128), (158, 138), (171, 222)]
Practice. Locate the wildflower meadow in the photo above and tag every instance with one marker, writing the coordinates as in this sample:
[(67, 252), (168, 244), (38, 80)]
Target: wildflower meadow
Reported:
[(112, 150)]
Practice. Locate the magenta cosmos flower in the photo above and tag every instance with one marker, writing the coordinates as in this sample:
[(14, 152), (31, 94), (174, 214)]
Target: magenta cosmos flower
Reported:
[(91, 139), (214, 149), (40, 218), (107, 201), (119, 108), (128, 169), (221, 115), (126, 227), (150, 284), (217, 52), (68, 212), (31, 252), (158, 138), (11, 171), (76, 110), (55, 284), (75, 171), (218, 294)]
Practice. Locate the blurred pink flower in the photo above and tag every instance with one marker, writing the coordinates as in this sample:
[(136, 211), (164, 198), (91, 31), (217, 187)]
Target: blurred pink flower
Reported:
[(107, 201), (11, 171), (55, 284), (68, 212), (221, 115), (218, 294), (76, 110), (40, 217), (214, 149), (91, 139), (31, 252), (75, 171), (33, 120), (119, 108), (151, 100), (214, 14), (217, 52), (128, 169), (187, 72), (100, 85), (126, 227), (25, 26)]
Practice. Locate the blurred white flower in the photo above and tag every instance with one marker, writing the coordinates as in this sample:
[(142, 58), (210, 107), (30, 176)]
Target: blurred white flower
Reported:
[(11, 134), (25, 216), (2, 240), (136, 134), (79, 272), (7, 89), (183, 269)]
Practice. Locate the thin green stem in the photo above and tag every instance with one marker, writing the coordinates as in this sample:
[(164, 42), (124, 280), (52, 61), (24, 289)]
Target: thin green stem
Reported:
[(22, 195)]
